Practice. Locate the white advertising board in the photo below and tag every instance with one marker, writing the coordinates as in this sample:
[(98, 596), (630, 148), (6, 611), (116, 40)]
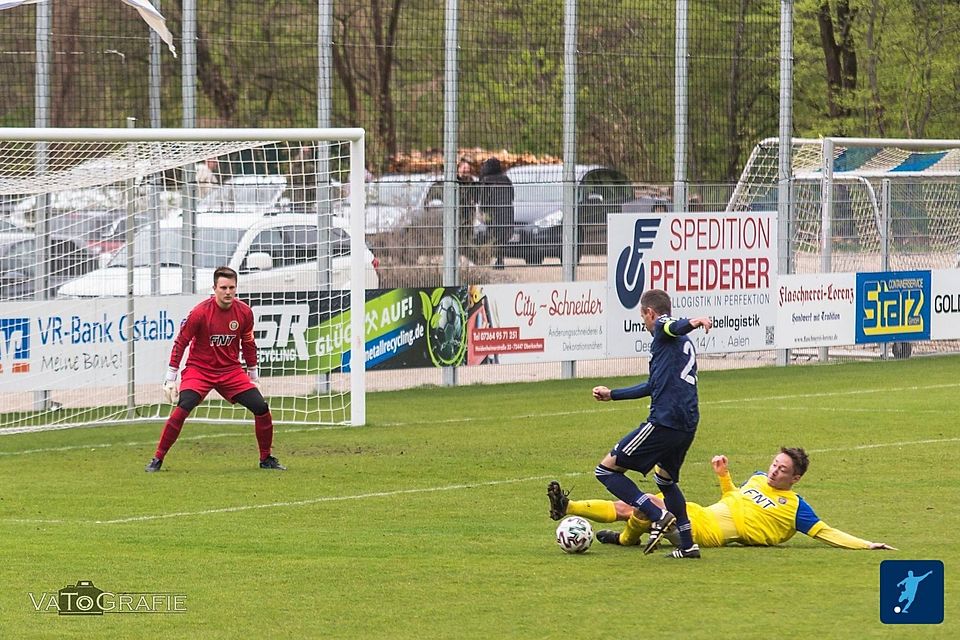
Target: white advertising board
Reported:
[(537, 322), (945, 312), (66, 344), (816, 310), (721, 265)]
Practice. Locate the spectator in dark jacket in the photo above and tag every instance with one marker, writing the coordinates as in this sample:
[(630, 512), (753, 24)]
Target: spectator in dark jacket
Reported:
[(467, 183), (496, 204)]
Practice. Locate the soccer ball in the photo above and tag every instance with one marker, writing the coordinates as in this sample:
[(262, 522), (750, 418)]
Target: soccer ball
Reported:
[(574, 534), (448, 331)]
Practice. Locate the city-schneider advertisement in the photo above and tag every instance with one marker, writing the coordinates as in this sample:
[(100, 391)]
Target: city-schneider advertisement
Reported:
[(435, 327), (721, 265)]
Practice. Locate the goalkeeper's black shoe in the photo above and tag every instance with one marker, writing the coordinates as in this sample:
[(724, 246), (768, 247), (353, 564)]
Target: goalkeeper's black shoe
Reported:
[(692, 552), (606, 536), (272, 463), (558, 500), (657, 530), (154, 465)]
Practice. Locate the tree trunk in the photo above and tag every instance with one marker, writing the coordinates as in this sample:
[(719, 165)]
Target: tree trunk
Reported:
[(734, 102), (209, 75), (873, 59), (385, 42), (840, 56)]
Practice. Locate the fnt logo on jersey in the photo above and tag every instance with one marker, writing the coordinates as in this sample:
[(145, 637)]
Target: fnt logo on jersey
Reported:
[(759, 498), (221, 340)]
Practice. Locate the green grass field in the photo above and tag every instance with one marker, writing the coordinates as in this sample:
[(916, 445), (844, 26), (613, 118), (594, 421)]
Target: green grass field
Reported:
[(432, 522)]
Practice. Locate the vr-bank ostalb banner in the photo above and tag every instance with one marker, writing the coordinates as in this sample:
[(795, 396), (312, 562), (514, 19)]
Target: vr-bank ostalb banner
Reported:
[(52, 345), (712, 264)]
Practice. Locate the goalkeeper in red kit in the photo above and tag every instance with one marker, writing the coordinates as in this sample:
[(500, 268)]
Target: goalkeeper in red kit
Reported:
[(216, 330)]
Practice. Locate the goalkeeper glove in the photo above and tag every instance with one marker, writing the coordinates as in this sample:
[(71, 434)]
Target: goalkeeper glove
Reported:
[(254, 375), (171, 390)]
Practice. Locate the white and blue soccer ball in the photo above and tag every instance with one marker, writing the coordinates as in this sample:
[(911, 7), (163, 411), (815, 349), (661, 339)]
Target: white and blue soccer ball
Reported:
[(574, 534)]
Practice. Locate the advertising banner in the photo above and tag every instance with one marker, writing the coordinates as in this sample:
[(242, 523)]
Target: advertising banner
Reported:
[(84, 343), (721, 265), (945, 314), (415, 327), (893, 306), (816, 310), (536, 322)]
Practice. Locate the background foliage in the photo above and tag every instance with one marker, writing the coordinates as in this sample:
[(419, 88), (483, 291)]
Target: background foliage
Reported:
[(862, 67)]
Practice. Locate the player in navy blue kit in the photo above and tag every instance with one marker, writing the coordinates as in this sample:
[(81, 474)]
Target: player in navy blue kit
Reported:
[(663, 439), (217, 330)]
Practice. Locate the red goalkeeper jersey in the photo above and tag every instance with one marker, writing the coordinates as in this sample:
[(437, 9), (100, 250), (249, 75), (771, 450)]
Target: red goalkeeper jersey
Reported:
[(216, 337)]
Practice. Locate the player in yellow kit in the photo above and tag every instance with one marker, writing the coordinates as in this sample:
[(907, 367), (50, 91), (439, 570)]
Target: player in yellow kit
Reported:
[(764, 511)]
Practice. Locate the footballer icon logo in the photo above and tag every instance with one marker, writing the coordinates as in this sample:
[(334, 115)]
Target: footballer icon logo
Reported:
[(14, 345), (911, 592), (630, 273)]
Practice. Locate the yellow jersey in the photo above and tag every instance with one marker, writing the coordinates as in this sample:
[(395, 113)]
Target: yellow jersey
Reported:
[(766, 516)]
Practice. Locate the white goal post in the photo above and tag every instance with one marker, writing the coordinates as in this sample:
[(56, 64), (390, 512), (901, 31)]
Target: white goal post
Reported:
[(108, 237)]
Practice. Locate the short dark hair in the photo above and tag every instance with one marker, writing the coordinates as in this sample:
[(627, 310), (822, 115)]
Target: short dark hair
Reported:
[(799, 457), (656, 299), (224, 272)]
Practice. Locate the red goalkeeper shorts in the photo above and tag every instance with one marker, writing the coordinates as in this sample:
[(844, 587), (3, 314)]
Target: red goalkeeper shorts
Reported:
[(229, 384)]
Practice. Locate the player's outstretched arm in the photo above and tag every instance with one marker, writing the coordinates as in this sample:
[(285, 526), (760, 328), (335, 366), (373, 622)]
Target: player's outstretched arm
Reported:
[(837, 538)]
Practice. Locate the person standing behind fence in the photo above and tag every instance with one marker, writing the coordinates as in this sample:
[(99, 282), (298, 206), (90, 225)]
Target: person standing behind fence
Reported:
[(467, 185), (496, 205)]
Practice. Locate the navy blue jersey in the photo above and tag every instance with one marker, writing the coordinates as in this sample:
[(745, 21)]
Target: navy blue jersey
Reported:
[(672, 384)]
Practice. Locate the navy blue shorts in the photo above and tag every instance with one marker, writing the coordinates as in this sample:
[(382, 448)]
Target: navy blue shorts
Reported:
[(650, 445)]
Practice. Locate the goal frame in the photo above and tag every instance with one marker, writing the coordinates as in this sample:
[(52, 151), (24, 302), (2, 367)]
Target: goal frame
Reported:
[(829, 177), (357, 193)]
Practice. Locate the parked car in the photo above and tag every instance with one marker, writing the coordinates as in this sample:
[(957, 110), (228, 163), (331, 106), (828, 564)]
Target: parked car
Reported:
[(10, 231), (398, 201), (19, 261), (538, 209), (270, 252), (101, 232), (246, 193)]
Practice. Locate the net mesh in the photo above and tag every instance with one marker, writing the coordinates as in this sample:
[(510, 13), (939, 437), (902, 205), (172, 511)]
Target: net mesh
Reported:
[(108, 245), (912, 195)]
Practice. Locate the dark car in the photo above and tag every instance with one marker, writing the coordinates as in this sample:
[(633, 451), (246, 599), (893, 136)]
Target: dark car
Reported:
[(19, 260), (538, 209), (101, 232)]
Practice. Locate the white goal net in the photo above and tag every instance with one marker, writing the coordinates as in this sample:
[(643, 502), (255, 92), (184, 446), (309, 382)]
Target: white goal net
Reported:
[(108, 237), (892, 205)]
